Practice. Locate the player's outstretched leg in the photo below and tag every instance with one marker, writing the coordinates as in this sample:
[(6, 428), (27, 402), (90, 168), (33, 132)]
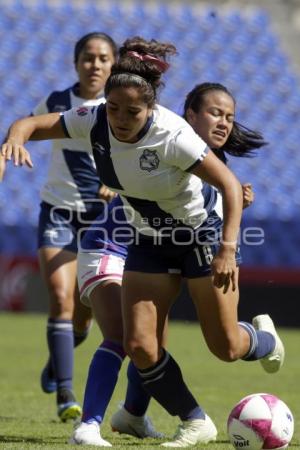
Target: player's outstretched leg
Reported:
[(274, 360)]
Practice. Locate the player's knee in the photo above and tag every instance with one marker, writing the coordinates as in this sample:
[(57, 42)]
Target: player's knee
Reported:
[(60, 302), (140, 353)]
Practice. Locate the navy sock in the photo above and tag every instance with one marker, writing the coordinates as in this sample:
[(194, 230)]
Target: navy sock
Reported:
[(137, 399), (261, 342), (165, 383), (102, 378), (60, 344), (79, 337)]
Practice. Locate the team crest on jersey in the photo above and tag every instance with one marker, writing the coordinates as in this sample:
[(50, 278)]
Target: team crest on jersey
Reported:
[(149, 160), (82, 111)]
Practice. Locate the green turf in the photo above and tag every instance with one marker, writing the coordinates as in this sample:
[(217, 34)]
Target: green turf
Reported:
[(28, 417)]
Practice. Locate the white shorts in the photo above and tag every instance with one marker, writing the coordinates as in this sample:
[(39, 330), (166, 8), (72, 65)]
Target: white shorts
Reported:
[(94, 269)]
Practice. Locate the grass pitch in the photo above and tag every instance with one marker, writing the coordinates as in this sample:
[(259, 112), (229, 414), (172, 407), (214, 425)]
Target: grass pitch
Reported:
[(28, 416)]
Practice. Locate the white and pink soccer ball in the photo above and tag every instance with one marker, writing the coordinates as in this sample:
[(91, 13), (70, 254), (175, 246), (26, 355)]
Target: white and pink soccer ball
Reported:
[(260, 422)]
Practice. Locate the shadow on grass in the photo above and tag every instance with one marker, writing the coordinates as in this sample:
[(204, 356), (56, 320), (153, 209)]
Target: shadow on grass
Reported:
[(29, 440)]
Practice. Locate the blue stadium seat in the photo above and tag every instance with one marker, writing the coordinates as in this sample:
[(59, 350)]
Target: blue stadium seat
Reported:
[(235, 47), (257, 21)]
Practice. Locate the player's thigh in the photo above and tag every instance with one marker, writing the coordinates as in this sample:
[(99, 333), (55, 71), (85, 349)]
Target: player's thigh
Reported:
[(82, 315), (146, 301), (59, 271), (216, 310), (105, 301)]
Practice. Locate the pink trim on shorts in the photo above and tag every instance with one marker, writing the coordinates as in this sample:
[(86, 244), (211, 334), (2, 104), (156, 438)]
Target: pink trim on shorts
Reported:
[(103, 264), (99, 277)]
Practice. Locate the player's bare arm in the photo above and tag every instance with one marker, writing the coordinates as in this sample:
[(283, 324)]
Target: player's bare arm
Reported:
[(46, 126), (214, 172)]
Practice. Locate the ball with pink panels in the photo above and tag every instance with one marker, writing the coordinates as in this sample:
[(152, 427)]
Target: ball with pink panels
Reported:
[(260, 422)]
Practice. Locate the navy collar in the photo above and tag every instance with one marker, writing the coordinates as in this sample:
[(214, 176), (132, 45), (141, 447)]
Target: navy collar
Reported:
[(76, 91), (145, 128), (141, 133)]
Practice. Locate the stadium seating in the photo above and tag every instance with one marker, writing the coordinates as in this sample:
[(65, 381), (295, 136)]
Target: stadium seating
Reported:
[(236, 48)]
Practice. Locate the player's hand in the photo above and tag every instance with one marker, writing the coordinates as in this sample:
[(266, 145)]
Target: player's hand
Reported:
[(11, 149), (248, 195), (2, 167), (106, 194), (224, 268)]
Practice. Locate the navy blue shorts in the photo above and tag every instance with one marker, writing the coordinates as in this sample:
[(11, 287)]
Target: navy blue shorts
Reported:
[(190, 255), (62, 227)]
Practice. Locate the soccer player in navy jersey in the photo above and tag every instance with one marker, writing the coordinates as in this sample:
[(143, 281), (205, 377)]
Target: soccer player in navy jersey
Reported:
[(164, 172)]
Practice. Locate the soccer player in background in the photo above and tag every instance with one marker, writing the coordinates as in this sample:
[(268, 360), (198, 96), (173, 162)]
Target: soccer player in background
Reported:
[(154, 159), (70, 195)]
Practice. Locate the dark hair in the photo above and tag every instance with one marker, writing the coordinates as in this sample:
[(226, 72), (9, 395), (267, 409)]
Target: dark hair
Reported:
[(242, 141), (140, 64), (94, 35)]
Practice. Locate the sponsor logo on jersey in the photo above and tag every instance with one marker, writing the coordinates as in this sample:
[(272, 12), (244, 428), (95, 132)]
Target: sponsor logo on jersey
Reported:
[(59, 108), (82, 111), (149, 160), (52, 234)]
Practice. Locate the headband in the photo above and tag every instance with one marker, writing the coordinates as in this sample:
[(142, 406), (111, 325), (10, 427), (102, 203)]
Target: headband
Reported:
[(159, 63)]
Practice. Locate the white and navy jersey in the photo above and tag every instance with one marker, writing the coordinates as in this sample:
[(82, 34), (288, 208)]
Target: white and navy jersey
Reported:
[(72, 176), (152, 175)]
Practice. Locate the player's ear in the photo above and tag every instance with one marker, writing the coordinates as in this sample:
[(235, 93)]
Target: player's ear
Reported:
[(150, 112), (191, 116)]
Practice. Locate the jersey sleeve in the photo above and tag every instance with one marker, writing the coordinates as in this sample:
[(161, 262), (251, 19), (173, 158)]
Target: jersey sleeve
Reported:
[(41, 108), (78, 122), (186, 149)]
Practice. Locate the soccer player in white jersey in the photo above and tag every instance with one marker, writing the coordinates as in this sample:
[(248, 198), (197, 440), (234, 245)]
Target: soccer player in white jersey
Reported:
[(71, 196), (161, 168), (210, 109)]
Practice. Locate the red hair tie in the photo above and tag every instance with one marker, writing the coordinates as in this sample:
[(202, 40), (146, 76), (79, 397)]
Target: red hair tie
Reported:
[(160, 64)]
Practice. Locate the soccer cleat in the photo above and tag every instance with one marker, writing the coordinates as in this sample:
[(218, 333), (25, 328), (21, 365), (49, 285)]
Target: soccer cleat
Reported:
[(139, 426), (69, 411), (67, 407), (88, 434), (48, 382), (274, 360), (192, 432)]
